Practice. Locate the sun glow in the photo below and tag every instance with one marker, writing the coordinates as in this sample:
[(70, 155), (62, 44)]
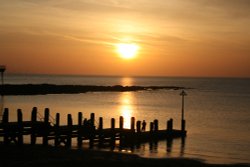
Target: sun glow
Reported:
[(127, 50)]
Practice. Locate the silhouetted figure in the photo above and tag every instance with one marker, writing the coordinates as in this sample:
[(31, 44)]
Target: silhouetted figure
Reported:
[(143, 129), (85, 121)]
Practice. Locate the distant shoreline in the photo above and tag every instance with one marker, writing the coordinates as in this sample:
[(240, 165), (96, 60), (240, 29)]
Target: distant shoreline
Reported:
[(43, 89)]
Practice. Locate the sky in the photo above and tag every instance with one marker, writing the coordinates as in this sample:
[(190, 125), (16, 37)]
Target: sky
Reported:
[(195, 38)]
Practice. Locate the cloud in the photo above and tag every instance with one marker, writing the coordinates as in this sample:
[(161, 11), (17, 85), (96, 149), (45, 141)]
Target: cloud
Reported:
[(227, 8)]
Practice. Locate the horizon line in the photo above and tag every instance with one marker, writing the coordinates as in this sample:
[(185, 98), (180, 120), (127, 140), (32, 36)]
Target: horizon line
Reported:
[(128, 76)]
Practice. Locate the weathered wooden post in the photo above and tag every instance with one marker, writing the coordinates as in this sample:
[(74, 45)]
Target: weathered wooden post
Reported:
[(57, 133), (5, 115), (34, 126), (156, 127), (138, 126), (170, 124), (92, 119), (5, 122), (79, 131), (20, 127), (92, 130), (121, 122), (100, 130), (138, 130), (57, 119), (69, 132), (46, 127), (112, 132), (151, 127), (112, 123), (132, 123), (100, 123), (79, 119)]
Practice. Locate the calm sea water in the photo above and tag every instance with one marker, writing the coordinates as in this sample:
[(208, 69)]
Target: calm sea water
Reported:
[(216, 111)]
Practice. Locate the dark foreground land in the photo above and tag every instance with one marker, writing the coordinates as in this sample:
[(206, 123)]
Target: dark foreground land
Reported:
[(38, 156), (40, 89)]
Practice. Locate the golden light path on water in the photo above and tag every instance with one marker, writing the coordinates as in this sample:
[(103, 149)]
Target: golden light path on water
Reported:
[(126, 108), (127, 100), (127, 81)]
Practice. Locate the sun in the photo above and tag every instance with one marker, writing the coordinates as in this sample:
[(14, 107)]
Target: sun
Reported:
[(127, 50)]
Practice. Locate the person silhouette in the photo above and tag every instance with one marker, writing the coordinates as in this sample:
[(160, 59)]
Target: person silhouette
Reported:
[(143, 126)]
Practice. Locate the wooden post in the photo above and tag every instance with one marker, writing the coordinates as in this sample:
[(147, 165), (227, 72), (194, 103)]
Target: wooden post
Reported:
[(121, 122), (156, 125), (151, 127), (5, 116), (34, 126), (170, 124), (79, 119), (100, 123), (57, 120), (92, 130), (112, 142), (20, 127), (79, 131), (92, 119), (5, 122), (57, 125), (167, 125), (132, 125), (46, 127), (138, 126), (69, 135), (112, 123), (100, 134)]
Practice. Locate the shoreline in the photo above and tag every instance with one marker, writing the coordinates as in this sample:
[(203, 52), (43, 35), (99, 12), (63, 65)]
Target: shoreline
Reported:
[(49, 156), (43, 89)]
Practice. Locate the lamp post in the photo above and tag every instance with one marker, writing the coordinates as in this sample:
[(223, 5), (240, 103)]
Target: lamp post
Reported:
[(183, 123), (2, 69)]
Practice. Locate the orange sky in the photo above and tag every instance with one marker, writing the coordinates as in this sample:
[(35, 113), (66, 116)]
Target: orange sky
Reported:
[(176, 38)]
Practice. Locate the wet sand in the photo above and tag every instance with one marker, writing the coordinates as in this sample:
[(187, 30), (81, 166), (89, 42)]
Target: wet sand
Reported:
[(41, 89), (38, 156)]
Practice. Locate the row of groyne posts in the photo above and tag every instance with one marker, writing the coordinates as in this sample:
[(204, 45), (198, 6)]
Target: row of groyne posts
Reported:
[(14, 132)]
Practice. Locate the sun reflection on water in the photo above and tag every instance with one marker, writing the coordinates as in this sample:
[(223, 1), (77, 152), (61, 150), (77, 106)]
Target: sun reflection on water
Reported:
[(127, 108), (127, 81)]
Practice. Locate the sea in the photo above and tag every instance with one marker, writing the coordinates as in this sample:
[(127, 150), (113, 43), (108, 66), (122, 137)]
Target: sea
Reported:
[(216, 110)]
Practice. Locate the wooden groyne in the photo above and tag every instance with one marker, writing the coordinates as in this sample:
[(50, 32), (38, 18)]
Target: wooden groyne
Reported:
[(85, 129)]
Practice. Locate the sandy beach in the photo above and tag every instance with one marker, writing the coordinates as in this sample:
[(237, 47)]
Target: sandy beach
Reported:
[(50, 156)]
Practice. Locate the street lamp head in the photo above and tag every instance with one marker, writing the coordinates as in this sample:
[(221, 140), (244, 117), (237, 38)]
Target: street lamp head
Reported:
[(183, 93), (2, 68)]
